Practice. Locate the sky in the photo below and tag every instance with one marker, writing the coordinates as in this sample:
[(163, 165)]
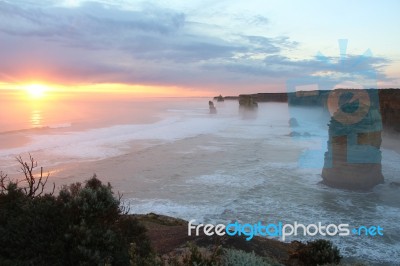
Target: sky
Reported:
[(198, 48)]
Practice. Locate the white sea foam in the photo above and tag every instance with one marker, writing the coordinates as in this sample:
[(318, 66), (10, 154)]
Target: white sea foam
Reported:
[(61, 125), (172, 208), (112, 141)]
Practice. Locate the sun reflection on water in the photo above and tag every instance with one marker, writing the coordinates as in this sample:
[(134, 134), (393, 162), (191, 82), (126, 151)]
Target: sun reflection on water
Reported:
[(36, 118)]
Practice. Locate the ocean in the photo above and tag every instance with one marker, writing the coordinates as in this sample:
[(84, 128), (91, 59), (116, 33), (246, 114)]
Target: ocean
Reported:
[(170, 156)]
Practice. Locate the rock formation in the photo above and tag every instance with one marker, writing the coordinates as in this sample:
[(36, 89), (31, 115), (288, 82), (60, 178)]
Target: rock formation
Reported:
[(389, 101), (353, 159), (213, 110), (247, 101), (293, 122), (247, 107), (389, 104), (219, 98), (271, 97)]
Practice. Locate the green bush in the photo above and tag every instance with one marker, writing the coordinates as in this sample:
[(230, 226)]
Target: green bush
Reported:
[(233, 257), (216, 256), (83, 225), (31, 229), (92, 213), (193, 255), (136, 239), (202, 257), (317, 252)]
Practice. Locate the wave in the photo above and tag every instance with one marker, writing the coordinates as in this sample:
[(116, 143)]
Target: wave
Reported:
[(35, 129), (111, 141), (61, 125)]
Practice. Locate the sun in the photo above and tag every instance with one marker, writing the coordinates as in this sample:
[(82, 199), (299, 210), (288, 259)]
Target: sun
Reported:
[(36, 91)]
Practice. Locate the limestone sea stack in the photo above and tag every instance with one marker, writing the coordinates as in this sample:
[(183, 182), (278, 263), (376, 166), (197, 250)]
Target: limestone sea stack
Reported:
[(213, 110), (247, 101), (353, 159), (219, 98)]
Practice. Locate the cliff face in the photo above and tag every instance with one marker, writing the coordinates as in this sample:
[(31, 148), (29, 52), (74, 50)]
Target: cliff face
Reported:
[(271, 97), (353, 159), (308, 98), (247, 101), (389, 100), (262, 97)]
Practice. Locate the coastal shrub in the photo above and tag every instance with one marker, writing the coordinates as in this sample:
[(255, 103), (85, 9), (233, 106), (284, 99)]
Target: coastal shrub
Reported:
[(83, 225), (317, 252), (202, 257), (31, 229), (233, 257), (193, 255), (151, 259), (347, 264), (140, 252), (91, 212), (98, 231)]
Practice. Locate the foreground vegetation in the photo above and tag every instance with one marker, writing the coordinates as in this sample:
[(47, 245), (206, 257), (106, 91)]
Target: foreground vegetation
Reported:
[(85, 225), (82, 225)]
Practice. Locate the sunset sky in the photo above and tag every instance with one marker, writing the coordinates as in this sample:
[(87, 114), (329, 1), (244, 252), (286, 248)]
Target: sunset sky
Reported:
[(197, 48)]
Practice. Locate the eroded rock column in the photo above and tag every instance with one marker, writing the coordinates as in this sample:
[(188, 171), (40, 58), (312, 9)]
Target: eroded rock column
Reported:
[(353, 159)]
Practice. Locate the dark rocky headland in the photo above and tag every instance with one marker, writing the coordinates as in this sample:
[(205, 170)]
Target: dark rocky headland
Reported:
[(389, 102)]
